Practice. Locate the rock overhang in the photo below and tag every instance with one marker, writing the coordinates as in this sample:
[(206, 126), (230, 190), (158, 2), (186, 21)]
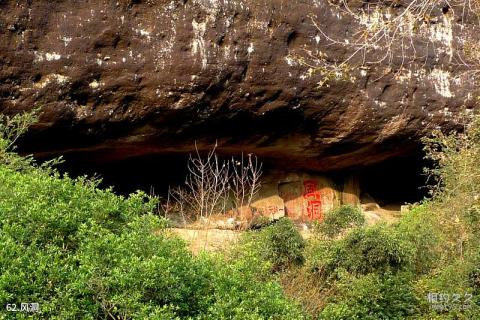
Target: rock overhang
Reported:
[(127, 79)]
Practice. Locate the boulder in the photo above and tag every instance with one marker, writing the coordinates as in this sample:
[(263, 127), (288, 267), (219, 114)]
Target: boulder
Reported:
[(301, 197), (269, 203)]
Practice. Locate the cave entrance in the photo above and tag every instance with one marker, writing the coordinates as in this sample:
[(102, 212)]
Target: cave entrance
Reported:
[(394, 182), (389, 184)]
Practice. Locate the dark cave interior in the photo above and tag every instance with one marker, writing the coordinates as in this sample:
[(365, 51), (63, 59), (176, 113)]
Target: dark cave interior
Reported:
[(396, 181)]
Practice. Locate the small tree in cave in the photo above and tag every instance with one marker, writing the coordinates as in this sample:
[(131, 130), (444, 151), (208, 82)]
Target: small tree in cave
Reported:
[(206, 185), (212, 182), (245, 180)]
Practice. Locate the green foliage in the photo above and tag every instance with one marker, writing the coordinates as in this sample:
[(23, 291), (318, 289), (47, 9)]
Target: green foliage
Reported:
[(454, 278), (376, 248), (86, 253), (45, 224), (388, 271), (372, 297), (280, 243), (246, 289), (338, 220), (420, 229), (11, 128), (259, 221), (82, 252), (456, 198)]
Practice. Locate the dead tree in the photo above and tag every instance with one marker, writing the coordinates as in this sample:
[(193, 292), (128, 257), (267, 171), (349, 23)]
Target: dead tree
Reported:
[(212, 183), (245, 180), (206, 184)]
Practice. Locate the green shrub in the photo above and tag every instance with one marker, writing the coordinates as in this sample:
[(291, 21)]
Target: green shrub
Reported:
[(340, 219), (452, 278), (455, 199), (85, 253), (246, 289), (369, 249), (50, 227), (372, 297), (388, 271), (11, 129), (259, 221), (280, 243), (420, 229)]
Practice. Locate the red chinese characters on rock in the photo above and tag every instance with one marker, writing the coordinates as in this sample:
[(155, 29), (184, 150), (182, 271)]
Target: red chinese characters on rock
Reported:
[(314, 200)]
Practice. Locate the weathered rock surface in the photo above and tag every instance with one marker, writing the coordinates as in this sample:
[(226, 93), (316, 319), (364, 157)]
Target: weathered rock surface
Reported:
[(117, 79), (301, 197)]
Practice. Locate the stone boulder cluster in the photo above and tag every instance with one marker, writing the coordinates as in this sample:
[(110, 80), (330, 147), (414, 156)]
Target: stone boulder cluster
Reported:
[(305, 197)]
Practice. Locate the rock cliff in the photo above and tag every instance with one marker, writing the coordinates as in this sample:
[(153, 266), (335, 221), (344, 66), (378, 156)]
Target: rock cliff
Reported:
[(117, 79)]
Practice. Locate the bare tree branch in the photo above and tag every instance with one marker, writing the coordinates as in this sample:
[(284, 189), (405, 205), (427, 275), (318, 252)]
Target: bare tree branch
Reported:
[(211, 182)]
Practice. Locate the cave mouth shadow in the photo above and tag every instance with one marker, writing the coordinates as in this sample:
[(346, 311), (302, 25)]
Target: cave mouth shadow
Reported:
[(395, 181), (152, 174), (392, 182)]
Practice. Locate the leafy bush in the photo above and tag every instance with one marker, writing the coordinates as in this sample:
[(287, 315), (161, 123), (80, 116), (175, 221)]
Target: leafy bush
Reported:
[(12, 128), (259, 221), (420, 229), (340, 219), (369, 249), (86, 253), (280, 243), (246, 289), (452, 278), (82, 252), (372, 297), (456, 198), (50, 227), (388, 271)]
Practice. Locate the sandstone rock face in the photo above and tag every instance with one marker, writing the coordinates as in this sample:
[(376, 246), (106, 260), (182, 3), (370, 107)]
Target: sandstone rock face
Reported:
[(351, 191), (269, 204), (117, 79), (301, 197)]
